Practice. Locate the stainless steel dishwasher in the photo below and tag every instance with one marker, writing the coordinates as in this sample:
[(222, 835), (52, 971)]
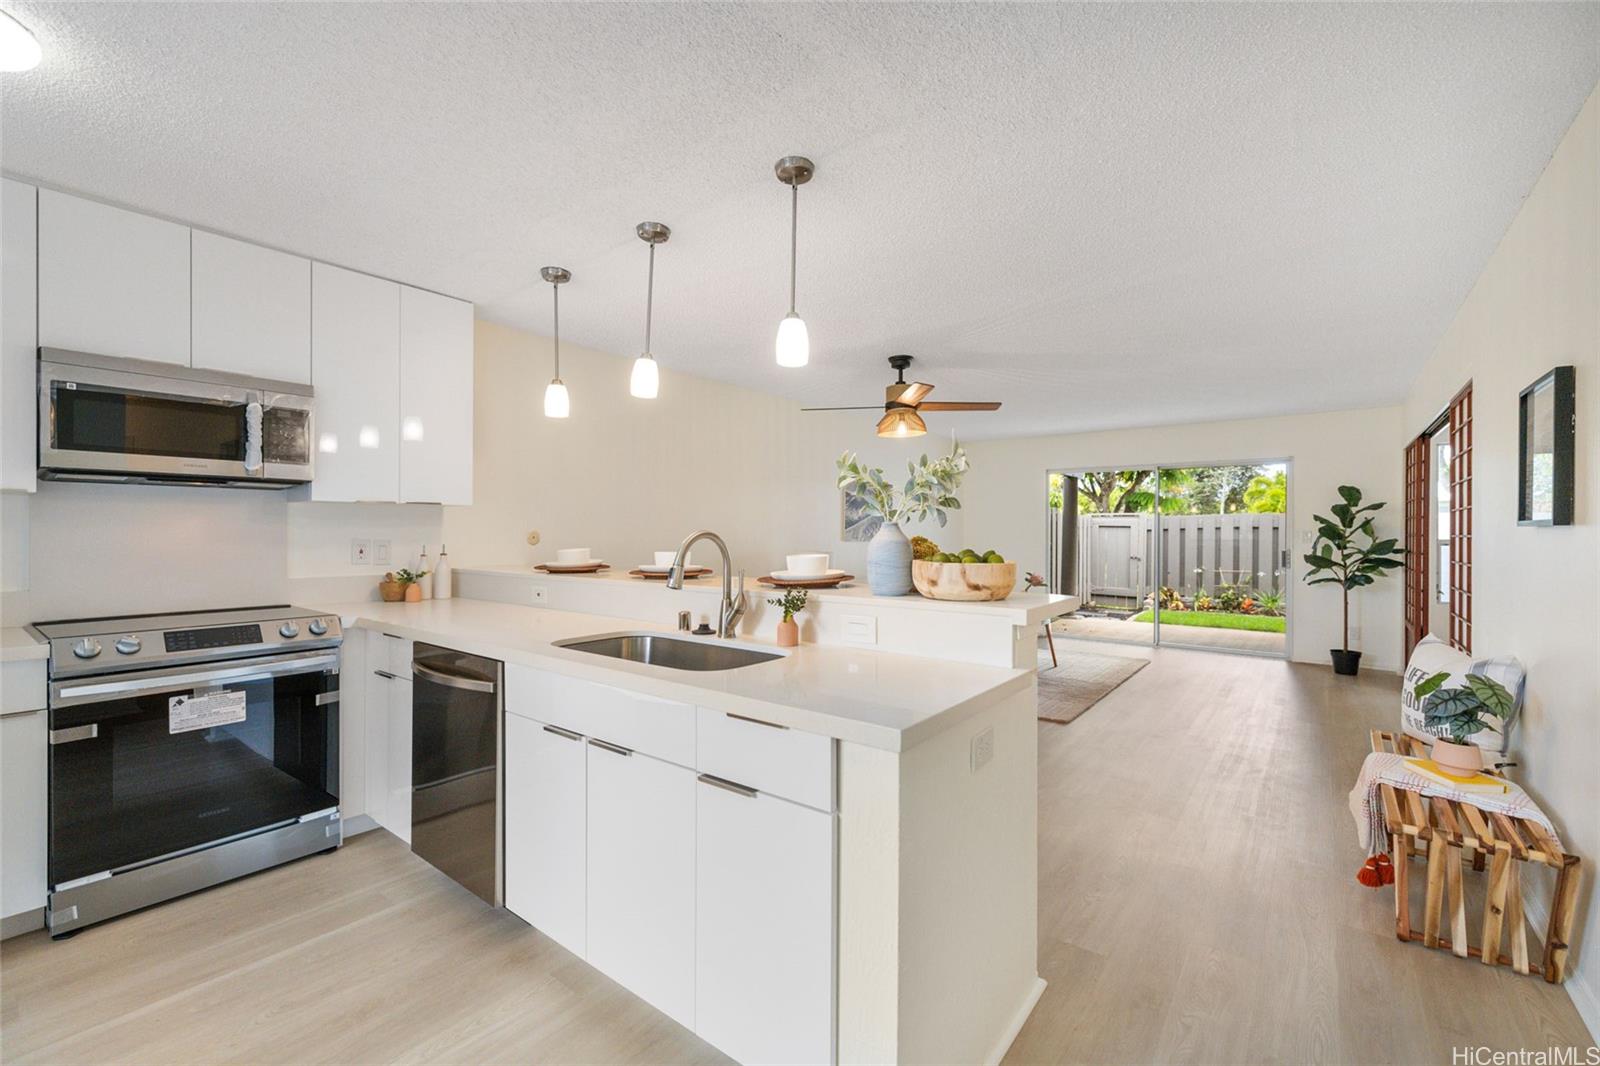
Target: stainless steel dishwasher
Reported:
[(456, 746)]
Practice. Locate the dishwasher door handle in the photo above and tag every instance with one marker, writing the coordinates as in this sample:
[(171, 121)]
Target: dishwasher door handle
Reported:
[(449, 680)]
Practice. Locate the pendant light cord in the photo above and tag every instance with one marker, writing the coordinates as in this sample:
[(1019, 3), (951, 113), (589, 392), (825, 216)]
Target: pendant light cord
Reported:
[(794, 238), (555, 292), (649, 298)]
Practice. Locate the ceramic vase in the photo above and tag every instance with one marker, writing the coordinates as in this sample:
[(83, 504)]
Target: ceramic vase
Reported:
[(1458, 760), (789, 634), (413, 592), (889, 562)]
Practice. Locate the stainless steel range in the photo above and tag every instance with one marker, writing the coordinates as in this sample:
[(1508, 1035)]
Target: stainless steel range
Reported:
[(187, 750)]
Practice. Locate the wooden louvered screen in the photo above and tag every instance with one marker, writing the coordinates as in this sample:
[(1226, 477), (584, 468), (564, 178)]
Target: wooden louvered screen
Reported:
[(1419, 536), (1461, 521)]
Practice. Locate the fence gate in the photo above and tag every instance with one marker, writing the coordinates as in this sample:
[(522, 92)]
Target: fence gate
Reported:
[(1117, 558)]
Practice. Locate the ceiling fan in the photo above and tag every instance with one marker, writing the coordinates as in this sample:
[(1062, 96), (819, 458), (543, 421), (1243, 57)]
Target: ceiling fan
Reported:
[(903, 402)]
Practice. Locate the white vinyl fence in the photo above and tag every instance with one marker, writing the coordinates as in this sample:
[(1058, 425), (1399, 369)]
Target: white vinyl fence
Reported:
[(1112, 558)]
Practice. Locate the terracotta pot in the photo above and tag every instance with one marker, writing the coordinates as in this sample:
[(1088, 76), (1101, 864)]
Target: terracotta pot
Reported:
[(789, 634), (1458, 760), (413, 593)]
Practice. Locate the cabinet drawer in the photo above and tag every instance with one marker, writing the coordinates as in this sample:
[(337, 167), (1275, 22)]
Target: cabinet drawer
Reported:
[(768, 758), (22, 686), (392, 654), (654, 726)]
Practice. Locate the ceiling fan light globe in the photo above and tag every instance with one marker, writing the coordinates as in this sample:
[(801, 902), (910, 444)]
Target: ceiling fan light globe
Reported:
[(557, 404), (645, 382), (902, 422), (794, 343)]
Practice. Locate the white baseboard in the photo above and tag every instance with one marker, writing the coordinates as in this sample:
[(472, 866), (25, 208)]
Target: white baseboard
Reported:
[(361, 823), (21, 922), (1583, 997), (1028, 1003)]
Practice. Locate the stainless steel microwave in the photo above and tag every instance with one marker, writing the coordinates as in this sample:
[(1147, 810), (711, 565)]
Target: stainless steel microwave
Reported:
[(103, 418)]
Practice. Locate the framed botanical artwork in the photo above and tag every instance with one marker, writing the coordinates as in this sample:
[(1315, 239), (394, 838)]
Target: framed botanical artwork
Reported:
[(1545, 416)]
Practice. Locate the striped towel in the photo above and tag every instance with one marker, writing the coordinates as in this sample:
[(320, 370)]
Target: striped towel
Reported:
[(1387, 768)]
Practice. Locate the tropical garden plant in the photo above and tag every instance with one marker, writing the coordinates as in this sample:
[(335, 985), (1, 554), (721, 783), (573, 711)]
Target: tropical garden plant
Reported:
[(1348, 551)]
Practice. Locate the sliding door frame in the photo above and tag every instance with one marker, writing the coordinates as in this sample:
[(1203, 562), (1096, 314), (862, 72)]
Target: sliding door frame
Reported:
[(1290, 569)]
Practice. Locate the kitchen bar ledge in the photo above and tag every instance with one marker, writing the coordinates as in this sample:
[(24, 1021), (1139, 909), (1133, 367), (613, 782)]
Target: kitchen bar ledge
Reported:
[(874, 698)]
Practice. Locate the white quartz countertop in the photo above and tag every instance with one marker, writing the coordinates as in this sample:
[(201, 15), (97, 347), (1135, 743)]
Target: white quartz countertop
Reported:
[(874, 698), (17, 644), (1028, 608)]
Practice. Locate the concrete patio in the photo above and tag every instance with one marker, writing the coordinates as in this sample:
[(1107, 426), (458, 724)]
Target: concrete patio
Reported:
[(1126, 632)]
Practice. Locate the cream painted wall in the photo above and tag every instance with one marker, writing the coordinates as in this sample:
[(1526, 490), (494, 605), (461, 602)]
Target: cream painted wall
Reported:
[(1536, 590), (1005, 508), (626, 477)]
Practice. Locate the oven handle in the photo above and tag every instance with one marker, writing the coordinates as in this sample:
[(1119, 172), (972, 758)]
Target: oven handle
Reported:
[(136, 684)]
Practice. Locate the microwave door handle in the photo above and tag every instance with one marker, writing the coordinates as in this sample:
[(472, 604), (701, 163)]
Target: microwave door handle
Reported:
[(238, 675), (252, 438)]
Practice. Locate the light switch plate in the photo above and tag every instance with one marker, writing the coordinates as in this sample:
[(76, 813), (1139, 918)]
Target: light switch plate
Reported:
[(380, 553), (360, 551), (860, 629)]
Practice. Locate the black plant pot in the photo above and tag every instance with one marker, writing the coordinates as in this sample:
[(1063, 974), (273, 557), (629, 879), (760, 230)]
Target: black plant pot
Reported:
[(1345, 662)]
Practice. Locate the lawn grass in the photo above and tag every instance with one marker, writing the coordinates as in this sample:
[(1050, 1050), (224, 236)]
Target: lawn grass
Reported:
[(1256, 623)]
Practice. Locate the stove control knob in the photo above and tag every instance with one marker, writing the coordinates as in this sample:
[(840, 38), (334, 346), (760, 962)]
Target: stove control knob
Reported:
[(318, 627), (87, 648), (128, 645), (289, 629)]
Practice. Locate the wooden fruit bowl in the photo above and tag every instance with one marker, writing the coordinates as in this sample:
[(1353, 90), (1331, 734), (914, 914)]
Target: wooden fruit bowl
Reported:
[(964, 581)]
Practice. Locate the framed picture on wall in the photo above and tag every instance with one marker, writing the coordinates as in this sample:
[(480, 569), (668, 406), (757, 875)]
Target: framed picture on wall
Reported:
[(1545, 416)]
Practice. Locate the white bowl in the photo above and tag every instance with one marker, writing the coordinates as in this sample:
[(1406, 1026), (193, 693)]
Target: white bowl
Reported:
[(572, 556), (665, 559), (808, 564)]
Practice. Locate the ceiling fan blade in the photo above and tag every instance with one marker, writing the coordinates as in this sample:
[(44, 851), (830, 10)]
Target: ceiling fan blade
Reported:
[(937, 406), (913, 393), (872, 407)]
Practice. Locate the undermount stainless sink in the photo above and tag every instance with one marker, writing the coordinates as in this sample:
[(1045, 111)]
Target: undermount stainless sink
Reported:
[(673, 652)]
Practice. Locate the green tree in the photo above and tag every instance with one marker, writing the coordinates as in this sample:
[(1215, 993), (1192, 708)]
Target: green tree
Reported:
[(1267, 494), (1220, 489), (1131, 491)]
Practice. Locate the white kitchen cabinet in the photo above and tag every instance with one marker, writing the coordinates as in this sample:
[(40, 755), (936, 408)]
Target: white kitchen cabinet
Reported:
[(112, 282), (19, 335), (398, 808), (640, 845), (354, 674), (764, 914), (252, 309), (24, 796), (355, 370), (546, 829), (388, 732), (435, 398)]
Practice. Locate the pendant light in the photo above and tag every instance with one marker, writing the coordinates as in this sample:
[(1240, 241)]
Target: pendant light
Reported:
[(556, 402), (19, 48), (645, 382), (794, 344)]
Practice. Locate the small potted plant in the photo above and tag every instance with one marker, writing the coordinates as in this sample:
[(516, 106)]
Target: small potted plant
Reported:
[(792, 602), (408, 582), (1458, 713), (1339, 558)]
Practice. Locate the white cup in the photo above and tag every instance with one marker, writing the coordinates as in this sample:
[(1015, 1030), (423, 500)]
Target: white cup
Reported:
[(809, 563), (666, 559), (572, 556)]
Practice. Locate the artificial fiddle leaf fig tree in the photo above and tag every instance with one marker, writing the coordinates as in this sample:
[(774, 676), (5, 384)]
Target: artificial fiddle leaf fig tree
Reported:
[(1348, 553)]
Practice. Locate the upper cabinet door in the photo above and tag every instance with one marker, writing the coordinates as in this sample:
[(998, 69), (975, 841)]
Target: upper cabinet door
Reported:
[(112, 282), (19, 335), (252, 309), (355, 369), (435, 398)]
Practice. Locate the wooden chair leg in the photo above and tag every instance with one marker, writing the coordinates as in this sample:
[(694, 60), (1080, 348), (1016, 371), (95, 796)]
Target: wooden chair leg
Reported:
[(1399, 857), (1494, 905), (1458, 901), (1559, 933), (1430, 908), (1517, 920), (1051, 640)]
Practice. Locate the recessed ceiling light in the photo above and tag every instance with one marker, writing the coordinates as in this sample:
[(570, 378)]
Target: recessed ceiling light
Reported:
[(19, 48)]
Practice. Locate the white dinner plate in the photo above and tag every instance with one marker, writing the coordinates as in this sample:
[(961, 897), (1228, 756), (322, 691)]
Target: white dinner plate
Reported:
[(795, 575), (575, 566)]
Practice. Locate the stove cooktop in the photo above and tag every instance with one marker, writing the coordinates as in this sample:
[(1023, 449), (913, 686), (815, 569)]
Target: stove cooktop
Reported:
[(134, 642)]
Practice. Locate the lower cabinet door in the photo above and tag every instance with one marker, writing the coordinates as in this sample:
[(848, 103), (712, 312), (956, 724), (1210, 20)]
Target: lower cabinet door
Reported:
[(641, 877), (545, 863), (764, 927), (398, 808), (24, 805)]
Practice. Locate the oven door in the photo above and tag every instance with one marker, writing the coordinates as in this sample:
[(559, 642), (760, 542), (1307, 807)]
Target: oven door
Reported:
[(150, 765), (102, 420)]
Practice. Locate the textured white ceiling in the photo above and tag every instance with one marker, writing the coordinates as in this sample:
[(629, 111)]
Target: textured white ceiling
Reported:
[(1102, 215)]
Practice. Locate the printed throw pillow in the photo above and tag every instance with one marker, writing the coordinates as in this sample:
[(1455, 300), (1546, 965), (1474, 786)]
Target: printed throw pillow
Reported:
[(1432, 656)]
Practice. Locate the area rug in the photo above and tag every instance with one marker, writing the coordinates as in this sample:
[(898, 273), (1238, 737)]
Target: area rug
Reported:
[(1082, 680)]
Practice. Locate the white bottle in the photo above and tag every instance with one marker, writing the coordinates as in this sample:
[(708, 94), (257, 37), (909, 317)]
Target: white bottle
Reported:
[(425, 568), (441, 575)]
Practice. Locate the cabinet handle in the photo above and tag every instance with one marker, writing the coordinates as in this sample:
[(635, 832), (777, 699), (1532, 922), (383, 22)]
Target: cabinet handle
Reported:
[(565, 734), (609, 747), (756, 721), (727, 786), (19, 714), (387, 674)]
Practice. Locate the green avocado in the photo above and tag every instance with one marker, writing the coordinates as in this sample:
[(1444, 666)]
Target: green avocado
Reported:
[(994, 557)]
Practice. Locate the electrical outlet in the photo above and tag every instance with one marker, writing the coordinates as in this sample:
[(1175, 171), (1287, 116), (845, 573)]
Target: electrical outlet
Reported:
[(360, 551), (380, 553), (982, 749), (533, 538), (860, 629), (538, 593)]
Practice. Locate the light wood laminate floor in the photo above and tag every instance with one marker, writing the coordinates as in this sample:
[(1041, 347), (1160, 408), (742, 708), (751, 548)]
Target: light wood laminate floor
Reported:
[(1221, 924)]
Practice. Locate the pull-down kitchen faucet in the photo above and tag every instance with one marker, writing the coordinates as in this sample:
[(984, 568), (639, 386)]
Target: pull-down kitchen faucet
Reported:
[(733, 602)]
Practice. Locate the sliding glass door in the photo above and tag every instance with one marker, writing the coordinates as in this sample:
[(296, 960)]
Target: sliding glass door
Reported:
[(1185, 556)]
